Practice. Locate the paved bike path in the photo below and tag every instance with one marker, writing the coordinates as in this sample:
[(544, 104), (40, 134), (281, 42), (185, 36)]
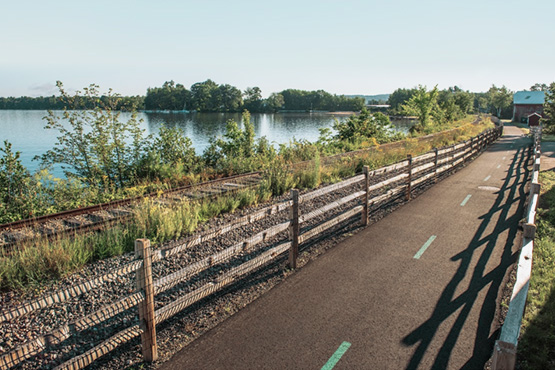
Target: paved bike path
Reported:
[(418, 289)]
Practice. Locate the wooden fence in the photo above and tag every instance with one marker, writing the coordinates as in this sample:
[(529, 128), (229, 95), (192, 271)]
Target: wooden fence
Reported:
[(379, 187), (504, 351)]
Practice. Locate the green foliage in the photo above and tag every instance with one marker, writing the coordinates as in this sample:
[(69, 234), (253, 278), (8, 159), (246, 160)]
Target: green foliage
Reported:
[(275, 102), (99, 149), (277, 180), (168, 97), (423, 104), (252, 99), (399, 98), (500, 99), (549, 110), (538, 324), (237, 151), (364, 126), (169, 154), (16, 187), (309, 178), (300, 100), (208, 96)]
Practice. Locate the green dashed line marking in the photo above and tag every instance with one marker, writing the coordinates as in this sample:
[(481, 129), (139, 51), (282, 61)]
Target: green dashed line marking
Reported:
[(466, 200), (334, 359), (424, 247)]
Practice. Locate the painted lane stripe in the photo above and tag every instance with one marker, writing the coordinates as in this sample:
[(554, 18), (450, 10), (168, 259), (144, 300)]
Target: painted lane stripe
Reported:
[(498, 166), (487, 178), (504, 158), (466, 200), (424, 247), (334, 359)]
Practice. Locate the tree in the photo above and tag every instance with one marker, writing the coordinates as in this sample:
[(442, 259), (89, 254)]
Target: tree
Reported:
[(230, 98), (365, 125), (549, 109), (204, 96), (398, 98), (94, 145), (500, 99), (423, 104), (170, 96), (275, 102), (252, 99), (15, 186), (539, 87)]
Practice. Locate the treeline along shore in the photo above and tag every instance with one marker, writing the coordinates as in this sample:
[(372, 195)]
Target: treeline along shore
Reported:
[(209, 96)]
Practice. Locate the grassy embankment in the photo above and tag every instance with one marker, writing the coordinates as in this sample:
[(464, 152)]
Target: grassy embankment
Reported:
[(43, 261), (536, 349)]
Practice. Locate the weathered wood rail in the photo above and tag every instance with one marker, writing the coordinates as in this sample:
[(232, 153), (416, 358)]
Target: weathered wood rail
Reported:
[(505, 349), (380, 187)]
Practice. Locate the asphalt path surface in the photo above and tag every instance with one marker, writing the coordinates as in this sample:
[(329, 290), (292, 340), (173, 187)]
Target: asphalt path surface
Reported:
[(419, 289)]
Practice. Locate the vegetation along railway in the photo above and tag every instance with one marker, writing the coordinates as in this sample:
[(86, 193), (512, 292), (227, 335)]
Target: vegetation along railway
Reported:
[(96, 217)]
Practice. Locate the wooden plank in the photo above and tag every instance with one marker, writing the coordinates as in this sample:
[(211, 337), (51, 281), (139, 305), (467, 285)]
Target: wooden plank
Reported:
[(328, 224), (102, 349), (423, 178), (330, 188), (63, 295), (229, 277), (422, 168), (423, 157), (388, 194), (146, 306), (387, 182), (328, 207)]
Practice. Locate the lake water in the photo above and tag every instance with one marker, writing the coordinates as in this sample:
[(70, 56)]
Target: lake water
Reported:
[(25, 129)]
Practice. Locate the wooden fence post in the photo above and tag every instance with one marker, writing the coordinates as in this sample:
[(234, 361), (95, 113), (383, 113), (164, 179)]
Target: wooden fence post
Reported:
[(409, 179), (365, 215), (147, 317), (294, 251), (436, 161)]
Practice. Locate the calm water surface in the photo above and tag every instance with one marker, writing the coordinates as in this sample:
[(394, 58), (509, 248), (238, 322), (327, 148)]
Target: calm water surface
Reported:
[(25, 129)]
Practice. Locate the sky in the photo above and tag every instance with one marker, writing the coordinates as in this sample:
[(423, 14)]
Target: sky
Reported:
[(341, 46)]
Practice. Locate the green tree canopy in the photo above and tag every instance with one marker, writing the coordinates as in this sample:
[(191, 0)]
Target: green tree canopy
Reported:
[(500, 99)]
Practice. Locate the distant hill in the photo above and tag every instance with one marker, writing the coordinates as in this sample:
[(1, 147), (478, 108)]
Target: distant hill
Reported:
[(368, 98)]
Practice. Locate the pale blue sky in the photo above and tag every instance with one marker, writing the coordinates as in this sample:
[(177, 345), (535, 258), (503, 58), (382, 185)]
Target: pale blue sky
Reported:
[(342, 46)]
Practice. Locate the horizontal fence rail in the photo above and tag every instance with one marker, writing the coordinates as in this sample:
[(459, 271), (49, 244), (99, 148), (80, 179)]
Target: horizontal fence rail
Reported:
[(505, 348), (194, 281)]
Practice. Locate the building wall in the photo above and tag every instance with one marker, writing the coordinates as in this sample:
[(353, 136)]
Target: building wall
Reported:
[(524, 110)]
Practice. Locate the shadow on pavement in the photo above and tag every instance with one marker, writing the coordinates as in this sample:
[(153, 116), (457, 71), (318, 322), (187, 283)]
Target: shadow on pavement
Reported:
[(448, 304)]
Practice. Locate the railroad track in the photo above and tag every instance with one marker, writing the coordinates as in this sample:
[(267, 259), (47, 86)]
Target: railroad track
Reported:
[(98, 216)]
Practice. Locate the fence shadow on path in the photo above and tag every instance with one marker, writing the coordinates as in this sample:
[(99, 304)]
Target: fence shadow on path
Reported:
[(448, 304)]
